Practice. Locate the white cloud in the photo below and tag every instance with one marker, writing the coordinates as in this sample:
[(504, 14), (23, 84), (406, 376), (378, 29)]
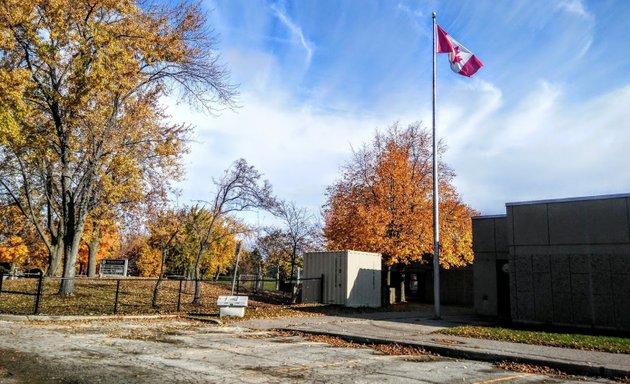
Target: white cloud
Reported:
[(546, 147), (295, 30), (298, 149), (416, 17), (541, 147), (575, 7)]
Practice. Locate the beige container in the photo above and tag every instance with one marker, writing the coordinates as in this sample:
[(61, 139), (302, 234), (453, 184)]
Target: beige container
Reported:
[(351, 278)]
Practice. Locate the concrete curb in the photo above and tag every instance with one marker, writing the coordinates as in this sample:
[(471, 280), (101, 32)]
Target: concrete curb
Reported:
[(79, 318), (459, 352)]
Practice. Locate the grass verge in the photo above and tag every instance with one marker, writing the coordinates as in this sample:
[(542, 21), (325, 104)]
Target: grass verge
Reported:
[(97, 297), (565, 340)]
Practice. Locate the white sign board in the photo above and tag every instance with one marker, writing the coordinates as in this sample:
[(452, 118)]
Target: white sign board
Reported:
[(114, 267), (232, 305)]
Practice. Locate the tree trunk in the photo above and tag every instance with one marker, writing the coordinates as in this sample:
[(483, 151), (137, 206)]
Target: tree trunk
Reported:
[(156, 289), (73, 232), (197, 268), (293, 257), (54, 260), (197, 296), (69, 269), (293, 287), (93, 247)]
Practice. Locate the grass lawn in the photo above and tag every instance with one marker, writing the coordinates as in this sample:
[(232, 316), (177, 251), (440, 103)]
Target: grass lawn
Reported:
[(564, 340), (97, 297)]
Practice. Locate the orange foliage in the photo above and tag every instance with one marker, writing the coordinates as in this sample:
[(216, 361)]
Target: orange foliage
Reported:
[(19, 243), (109, 244), (149, 261), (383, 203)]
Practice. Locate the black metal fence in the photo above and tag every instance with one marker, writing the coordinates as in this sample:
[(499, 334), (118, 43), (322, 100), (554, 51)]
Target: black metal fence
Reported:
[(36, 294)]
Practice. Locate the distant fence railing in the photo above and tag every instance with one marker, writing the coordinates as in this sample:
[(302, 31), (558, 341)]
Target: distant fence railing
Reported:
[(127, 295)]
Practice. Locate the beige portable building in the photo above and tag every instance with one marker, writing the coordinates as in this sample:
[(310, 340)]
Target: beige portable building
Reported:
[(351, 278)]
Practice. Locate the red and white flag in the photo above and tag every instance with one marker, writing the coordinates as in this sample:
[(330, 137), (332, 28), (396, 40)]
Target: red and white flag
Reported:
[(462, 60)]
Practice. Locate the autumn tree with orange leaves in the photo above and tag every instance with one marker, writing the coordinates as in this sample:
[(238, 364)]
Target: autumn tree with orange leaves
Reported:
[(19, 243), (383, 202), (82, 119)]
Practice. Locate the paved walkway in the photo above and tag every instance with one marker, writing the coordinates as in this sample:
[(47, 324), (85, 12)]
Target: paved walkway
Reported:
[(417, 329)]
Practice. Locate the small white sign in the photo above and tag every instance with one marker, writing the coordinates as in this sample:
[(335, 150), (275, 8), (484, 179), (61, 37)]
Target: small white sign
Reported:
[(114, 267), (232, 305), (232, 301)]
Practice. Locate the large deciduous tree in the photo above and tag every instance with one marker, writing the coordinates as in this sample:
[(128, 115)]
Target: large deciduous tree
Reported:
[(81, 123), (240, 189), (383, 202), (300, 230)]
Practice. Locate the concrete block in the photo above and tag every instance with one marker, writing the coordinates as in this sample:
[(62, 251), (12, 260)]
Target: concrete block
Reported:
[(601, 279), (540, 263), (580, 263), (601, 221), (580, 284), (523, 274), (513, 296), (601, 284), (560, 274), (501, 234), (622, 314), (621, 299), (582, 310), (509, 226), (529, 224), (623, 321), (562, 308), (483, 234), (620, 263), (484, 257), (603, 311), (525, 306), (543, 297)]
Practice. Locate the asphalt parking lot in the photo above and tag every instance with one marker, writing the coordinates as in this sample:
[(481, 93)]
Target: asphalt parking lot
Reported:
[(179, 351)]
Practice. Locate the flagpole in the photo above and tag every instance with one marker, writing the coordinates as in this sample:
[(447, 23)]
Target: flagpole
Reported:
[(436, 220)]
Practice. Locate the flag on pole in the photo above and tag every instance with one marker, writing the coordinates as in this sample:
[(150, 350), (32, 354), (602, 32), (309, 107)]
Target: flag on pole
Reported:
[(462, 60)]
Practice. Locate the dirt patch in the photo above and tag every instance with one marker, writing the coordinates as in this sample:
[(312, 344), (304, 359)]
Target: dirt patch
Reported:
[(22, 368)]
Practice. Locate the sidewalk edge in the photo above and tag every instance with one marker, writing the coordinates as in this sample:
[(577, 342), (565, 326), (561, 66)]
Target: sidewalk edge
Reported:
[(459, 353)]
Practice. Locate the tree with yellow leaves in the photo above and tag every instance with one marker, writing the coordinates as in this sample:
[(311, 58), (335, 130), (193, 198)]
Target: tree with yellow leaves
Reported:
[(101, 240), (81, 123), (383, 202), (19, 244)]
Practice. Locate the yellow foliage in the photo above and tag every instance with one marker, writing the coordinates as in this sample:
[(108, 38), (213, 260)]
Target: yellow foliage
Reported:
[(383, 203), (109, 242), (83, 132), (148, 263), (13, 250), (19, 244)]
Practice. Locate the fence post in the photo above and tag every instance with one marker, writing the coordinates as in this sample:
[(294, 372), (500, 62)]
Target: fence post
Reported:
[(179, 295), (321, 289), (38, 296), (238, 283), (116, 299), (1, 279)]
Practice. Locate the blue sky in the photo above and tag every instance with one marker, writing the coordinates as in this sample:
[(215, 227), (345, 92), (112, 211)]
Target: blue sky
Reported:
[(548, 115)]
